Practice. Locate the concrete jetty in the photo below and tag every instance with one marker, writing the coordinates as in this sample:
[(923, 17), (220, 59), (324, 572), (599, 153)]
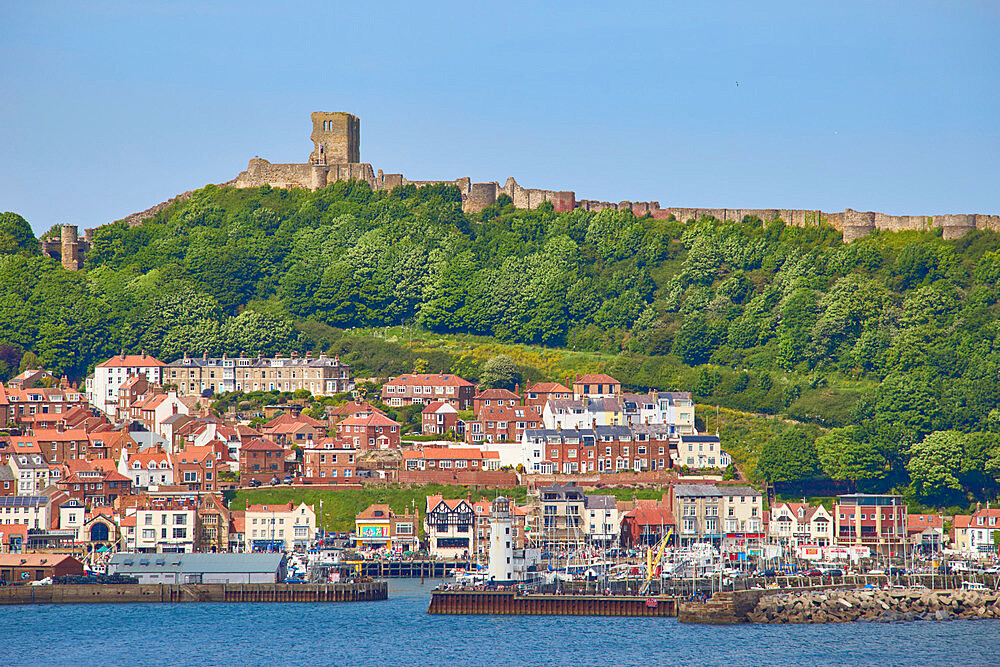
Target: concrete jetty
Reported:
[(109, 593)]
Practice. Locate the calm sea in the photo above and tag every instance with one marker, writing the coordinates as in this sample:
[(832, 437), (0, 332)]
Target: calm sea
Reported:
[(399, 632)]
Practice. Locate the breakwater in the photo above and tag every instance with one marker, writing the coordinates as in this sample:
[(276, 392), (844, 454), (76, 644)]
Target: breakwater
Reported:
[(840, 606), (511, 602), (108, 593)]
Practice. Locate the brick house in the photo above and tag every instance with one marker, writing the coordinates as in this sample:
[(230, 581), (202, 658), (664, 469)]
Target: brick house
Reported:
[(439, 417), (877, 521), (330, 461), (261, 460), (298, 430), (502, 423), (197, 468), (423, 388), (488, 398), (95, 483), (537, 395), (597, 449), (376, 431), (21, 568)]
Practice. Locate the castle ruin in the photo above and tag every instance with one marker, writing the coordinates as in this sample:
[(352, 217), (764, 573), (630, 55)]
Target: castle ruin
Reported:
[(336, 156), (68, 248)]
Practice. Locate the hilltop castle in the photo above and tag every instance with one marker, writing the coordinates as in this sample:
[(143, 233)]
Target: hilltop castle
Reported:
[(336, 156)]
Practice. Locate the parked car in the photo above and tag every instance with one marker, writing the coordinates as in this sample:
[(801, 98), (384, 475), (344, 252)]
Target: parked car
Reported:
[(813, 572), (288, 479), (895, 571), (834, 572), (767, 573)]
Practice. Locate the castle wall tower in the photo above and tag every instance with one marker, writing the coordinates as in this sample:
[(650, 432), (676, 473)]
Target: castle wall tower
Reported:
[(70, 248), (336, 138)]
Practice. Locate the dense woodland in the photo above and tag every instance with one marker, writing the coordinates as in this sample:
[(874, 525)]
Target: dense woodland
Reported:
[(887, 349)]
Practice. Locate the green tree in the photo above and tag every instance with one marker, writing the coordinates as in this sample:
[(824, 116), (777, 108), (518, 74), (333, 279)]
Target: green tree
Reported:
[(789, 456), (500, 372), (935, 464), (16, 235), (843, 456)]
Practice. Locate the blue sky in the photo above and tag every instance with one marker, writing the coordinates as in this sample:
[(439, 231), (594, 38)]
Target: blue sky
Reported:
[(110, 107)]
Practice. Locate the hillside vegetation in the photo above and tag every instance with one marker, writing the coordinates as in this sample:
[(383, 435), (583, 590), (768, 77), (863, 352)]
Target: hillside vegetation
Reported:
[(887, 346)]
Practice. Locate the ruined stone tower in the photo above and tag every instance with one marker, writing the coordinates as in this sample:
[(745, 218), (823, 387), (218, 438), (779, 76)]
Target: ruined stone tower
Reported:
[(68, 248), (336, 138)]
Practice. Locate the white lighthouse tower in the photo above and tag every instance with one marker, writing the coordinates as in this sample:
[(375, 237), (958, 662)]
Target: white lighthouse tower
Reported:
[(501, 567)]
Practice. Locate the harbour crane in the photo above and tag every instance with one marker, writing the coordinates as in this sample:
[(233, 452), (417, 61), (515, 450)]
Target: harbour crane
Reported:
[(653, 562)]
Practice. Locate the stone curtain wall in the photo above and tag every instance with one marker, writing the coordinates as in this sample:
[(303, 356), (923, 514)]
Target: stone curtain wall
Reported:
[(340, 135)]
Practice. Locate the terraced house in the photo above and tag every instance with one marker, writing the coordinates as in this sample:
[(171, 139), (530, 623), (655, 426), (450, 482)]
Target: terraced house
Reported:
[(195, 376)]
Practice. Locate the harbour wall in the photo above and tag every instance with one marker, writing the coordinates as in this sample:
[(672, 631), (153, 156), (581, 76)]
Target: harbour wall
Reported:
[(109, 593), (510, 602)]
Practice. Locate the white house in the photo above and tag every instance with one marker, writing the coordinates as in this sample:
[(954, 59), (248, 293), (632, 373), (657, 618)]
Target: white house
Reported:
[(279, 526), (603, 519), (31, 511), (103, 385), (152, 467), (167, 527), (31, 473), (701, 451)]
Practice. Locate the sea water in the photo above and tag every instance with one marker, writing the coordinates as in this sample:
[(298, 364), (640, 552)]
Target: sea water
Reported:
[(399, 631)]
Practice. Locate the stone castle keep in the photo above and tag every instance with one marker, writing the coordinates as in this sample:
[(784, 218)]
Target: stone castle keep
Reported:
[(336, 156)]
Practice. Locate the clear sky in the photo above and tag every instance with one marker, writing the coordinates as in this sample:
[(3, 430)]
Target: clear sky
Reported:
[(107, 108)]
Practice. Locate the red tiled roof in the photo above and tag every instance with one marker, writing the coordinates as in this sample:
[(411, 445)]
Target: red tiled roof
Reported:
[(369, 512), (497, 394), (596, 378), (54, 435), (130, 360), (272, 507), (549, 388), (434, 406), (354, 407), (374, 419), (259, 445), (434, 380)]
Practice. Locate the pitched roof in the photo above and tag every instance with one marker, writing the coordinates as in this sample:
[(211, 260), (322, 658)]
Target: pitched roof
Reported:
[(549, 388), (35, 560), (435, 407), (121, 360), (374, 419), (497, 394), (596, 378), (272, 507), (260, 445), (434, 379), (55, 435), (376, 511), (353, 407)]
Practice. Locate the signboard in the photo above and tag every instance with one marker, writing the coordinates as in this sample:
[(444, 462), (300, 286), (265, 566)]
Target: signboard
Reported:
[(375, 532)]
